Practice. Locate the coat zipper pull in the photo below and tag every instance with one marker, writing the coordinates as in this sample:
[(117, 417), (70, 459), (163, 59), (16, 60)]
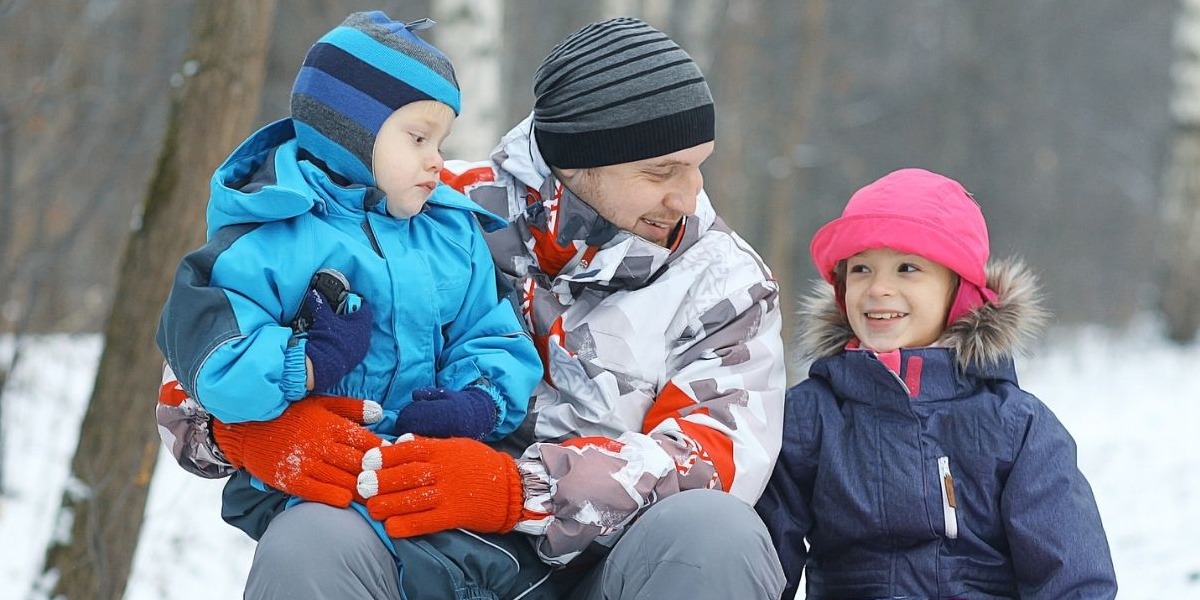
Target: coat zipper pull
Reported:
[(949, 505)]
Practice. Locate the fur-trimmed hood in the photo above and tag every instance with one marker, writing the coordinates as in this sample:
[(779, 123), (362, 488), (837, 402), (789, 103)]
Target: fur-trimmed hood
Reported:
[(985, 336)]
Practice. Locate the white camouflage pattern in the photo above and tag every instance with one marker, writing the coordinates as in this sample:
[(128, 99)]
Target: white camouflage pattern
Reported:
[(665, 366)]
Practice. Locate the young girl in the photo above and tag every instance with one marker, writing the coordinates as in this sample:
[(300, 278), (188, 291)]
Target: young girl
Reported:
[(913, 465)]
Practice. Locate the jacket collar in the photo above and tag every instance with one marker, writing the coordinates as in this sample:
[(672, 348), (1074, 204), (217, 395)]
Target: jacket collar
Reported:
[(574, 245), (986, 337), (268, 179)]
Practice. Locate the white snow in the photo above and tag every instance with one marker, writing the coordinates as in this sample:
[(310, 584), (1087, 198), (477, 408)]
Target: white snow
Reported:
[(1131, 400)]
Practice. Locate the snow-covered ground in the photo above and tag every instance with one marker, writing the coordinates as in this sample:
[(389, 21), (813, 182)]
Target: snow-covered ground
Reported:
[(1131, 400)]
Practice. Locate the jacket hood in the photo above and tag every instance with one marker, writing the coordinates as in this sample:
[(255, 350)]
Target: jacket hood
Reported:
[(265, 180), (985, 336), (260, 181)]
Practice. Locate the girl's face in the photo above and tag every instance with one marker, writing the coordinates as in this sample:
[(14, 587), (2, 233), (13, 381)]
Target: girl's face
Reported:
[(896, 300), (407, 155)]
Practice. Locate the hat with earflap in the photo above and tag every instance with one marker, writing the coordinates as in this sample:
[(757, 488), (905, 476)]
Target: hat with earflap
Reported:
[(913, 211), (354, 78)]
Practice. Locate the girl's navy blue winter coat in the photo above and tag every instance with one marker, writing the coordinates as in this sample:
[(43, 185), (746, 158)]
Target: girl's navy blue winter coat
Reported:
[(946, 480)]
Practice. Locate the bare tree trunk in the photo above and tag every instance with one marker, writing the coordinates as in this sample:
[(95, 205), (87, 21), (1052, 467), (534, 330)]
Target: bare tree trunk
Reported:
[(1180, 239), (105, 498), (729, 180), (468, 31), (786, 199), (1180, 288)]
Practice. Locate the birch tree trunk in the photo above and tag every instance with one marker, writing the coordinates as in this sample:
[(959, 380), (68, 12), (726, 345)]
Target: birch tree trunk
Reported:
[(468, 31), (1180, 239), (105, 497)]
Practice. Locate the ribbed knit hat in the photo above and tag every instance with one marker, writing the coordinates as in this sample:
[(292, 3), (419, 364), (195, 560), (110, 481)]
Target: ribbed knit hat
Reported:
[(618, 91), (916, 212), (354, 78)]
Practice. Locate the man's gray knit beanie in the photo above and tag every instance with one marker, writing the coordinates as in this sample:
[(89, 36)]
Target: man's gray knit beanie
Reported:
[(618, 91)]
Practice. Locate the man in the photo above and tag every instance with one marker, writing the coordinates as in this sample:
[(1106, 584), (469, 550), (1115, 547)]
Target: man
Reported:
[(657, 422)]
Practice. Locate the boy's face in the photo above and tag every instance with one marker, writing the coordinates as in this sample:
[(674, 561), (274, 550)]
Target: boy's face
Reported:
[(896, 300), (646, 197), (407, 155)]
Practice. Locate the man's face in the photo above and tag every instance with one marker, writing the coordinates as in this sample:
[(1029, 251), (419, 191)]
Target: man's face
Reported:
[(407, 155), (647, 197)]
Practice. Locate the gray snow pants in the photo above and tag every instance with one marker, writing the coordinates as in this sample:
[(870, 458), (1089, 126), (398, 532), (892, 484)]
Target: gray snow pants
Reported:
[(698, 545)]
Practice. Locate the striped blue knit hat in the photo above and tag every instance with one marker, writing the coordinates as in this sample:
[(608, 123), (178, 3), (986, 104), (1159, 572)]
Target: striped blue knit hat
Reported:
[(354, 78)]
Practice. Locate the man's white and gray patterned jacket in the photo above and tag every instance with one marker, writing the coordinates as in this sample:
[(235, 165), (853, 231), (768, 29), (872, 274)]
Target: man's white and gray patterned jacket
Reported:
[(664, 366)]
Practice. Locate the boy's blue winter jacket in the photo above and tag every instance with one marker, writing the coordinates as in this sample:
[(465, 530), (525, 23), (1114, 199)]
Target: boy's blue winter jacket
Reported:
[(943, 481), (273, 220)]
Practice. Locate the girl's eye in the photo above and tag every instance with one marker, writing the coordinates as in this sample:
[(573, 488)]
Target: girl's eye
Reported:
[(857, 269), (908, 268)]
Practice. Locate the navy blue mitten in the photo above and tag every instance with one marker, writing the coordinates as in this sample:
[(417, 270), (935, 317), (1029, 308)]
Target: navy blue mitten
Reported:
[(336, 342), (443, 413)]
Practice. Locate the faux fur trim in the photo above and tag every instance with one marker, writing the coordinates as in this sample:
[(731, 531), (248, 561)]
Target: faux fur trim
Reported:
[(982, 337)]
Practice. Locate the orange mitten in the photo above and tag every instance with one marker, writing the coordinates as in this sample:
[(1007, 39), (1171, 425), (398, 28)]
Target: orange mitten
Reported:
[(424, 485), (313, 450)]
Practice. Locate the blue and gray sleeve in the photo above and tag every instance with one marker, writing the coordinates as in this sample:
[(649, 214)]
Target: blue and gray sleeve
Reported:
[(221, 333)]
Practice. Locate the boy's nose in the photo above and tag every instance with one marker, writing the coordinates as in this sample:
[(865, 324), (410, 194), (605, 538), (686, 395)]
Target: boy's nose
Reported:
[(435, 162)]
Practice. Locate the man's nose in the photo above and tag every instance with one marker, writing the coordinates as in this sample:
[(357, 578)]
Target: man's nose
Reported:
[(683, 199)]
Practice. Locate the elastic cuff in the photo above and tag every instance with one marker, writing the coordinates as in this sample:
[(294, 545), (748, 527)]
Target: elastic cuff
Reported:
[(485, 384), (294, 382), (516, 499), (535, 487)]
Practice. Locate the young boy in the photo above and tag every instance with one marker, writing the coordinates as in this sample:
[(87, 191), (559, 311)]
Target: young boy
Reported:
[(350, 182), (913, 466)]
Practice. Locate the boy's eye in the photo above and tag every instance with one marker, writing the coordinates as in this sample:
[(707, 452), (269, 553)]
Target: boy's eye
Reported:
[(418, 138)]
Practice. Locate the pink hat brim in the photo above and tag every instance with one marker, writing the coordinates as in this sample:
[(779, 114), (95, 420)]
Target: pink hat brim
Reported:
[(846, 236)]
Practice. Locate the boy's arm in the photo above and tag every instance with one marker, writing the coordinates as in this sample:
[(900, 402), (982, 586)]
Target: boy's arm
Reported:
[(1056, 539), (487, 346), (220, 329)]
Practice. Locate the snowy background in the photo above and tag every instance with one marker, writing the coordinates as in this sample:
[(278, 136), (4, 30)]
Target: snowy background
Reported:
[(1131, 400)]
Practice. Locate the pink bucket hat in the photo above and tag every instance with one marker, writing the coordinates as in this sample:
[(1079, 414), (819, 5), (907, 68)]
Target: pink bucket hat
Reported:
[(917, 212)]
